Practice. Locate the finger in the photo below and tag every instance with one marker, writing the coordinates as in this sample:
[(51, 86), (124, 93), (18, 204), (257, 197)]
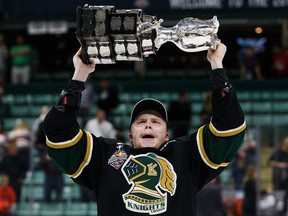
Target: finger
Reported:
[(78, 53)]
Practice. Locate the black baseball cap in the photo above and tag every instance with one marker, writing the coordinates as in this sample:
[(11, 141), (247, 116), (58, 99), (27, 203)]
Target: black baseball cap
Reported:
[(149, 103)]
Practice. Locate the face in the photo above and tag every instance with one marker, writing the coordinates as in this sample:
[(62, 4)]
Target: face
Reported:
[(285, 144), (148, 130)]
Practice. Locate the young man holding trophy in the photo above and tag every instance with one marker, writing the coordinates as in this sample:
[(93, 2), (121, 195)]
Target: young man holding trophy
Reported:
[(151, 174)]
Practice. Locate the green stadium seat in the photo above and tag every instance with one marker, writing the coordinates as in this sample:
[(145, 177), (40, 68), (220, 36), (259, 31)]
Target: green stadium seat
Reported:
[(261, 119), (261, 107), (19, 111), (61, 76), (196, 107), (51, 209), (121, 109), (42, 99), (162, 96), (75, 209), (37, 178), (124, 97), (280, 119), (179, 74), (135, 97), (30, 192), (35, 110), (26, 209), (246, 106), (195, 122), (9, 123), (124, 74), (92, 209), (8, 99), (280, 107), (196, 96), (243, 96), (260, 96), (68, 181), (20, 99), (280, 95), (152, 74)]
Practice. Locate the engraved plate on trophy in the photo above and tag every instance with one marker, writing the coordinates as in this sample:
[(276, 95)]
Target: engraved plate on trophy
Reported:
[(108, 35)]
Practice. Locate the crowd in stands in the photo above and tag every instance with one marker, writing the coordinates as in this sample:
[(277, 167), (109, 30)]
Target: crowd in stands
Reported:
[(15, 145)]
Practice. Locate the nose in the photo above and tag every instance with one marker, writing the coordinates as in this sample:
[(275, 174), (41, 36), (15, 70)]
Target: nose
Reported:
[(148, 124)]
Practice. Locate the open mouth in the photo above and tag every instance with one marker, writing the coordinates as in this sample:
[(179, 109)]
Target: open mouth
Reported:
[(148, 136)]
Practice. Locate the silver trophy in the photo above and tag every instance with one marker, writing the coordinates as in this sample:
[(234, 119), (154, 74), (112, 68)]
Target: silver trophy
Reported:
[(108, 35)]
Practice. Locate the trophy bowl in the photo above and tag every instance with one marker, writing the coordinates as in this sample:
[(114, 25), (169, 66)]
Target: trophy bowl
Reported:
[(108, 35)]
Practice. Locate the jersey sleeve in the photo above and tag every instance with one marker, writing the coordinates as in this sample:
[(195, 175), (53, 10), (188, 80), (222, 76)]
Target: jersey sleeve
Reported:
[(70, 147), (219, 141)]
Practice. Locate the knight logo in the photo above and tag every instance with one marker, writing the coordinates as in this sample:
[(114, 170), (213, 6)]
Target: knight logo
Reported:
[(151, 177)]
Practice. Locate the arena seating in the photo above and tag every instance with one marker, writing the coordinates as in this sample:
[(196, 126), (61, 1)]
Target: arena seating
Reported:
[(263, 107)]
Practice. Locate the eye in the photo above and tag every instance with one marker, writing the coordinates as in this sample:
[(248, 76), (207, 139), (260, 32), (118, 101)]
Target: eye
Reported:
[(141, 121), (156, 121)]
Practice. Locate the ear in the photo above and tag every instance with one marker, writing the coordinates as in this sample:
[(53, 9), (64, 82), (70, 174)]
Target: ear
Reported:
[(167, 136), (130, 136)]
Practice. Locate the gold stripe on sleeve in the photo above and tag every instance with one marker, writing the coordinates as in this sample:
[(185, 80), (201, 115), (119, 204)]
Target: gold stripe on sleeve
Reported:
[(87, 157), (202, 152), (66, 144), (226, 133)]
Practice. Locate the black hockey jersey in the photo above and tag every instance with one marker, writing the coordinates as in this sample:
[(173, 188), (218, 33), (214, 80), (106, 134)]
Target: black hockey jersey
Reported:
[(147, 181)]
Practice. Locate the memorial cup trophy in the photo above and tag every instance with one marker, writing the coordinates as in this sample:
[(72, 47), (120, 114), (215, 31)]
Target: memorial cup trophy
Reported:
[(108, 35)]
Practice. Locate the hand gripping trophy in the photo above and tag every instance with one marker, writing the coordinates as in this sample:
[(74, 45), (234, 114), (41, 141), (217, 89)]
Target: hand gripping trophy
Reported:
[(108, 35)]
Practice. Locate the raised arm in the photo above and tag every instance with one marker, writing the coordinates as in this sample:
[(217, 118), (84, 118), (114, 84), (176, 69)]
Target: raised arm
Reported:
[(82, 70), (219, 141), (61, 127), (215, 57)]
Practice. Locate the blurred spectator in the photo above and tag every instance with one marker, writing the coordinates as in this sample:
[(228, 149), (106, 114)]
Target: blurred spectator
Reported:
[(140, 68), (249, 147), (1, 98), (209, 200), (206, 112), (14, 166), (267, 200), (87, 102), (142, 4), (7, 196), (279, 162), (20, 135), (279, 61), (250, 191), (179, 114), (54, 179), (120, 134), (108, 99), (3, 141), (43, 112), (3, 59), (36, 130), (100, 126), (239, 166), (249, 66), (20, 61)]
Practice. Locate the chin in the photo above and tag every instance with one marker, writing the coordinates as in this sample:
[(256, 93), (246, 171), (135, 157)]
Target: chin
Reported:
[(148, 145)]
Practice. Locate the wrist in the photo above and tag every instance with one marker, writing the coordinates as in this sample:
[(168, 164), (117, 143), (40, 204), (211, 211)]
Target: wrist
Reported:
[(79, 76), (215, 64)]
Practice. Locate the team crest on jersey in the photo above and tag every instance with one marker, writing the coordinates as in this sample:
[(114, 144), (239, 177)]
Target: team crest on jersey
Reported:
[(151, 177)]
